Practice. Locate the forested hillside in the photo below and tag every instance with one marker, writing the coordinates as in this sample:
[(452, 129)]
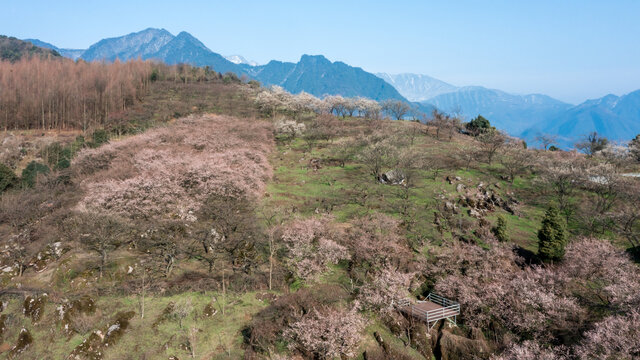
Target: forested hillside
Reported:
[(171, 212), (12, 49)]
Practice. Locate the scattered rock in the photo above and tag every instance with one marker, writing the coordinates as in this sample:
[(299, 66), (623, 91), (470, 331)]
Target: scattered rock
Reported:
[(43, 258), (92, 348), (393, 177), (460, 188), (69, 310), (164, 316), (474, 213), (3, 324), (266, 296), (209, 311), (33, 307), (314, 164), (450, 207), (24, 341)]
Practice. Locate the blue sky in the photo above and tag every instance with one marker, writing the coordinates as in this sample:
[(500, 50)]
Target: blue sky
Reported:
[(571, 50)]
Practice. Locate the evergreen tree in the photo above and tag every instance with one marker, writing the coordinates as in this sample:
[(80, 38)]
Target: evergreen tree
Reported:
[(634, 148), (8, 178), (552, 237), (30, 173), (500, 230), (479, 124)]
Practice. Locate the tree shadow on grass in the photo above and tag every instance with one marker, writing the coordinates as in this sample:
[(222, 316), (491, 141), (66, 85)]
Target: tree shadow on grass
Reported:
[(530, 258), (634, 252)]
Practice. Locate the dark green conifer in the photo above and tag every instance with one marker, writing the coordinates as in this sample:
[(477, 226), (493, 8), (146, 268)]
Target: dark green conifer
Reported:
[(552, 236), (500, 230)]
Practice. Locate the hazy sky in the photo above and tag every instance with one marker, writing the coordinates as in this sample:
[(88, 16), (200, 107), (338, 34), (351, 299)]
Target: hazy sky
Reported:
[(571, 50)]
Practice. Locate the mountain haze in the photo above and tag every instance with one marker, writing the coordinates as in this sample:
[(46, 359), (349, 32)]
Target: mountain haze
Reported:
[(68, 53), (417, 87), (509, 112), (615, 117)]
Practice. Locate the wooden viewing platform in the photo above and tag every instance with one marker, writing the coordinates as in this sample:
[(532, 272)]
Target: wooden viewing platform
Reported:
[(432, 309)]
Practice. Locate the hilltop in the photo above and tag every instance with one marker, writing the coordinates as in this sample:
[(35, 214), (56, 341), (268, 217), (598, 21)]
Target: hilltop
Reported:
[(13, 49)]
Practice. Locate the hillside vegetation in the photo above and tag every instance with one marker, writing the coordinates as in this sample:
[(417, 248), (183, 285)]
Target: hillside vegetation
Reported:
[(12, 49), (211, 219)]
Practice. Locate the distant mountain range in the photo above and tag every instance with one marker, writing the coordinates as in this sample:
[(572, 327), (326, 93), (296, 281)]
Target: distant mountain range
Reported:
[(511, 113), (313, 74), (617, 118), (527, 116), (416, 87)]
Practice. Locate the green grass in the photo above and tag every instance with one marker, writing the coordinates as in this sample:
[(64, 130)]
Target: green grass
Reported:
[(216, 335)]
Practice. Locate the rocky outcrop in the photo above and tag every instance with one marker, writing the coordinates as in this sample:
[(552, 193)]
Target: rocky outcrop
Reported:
[(93, 347), (482, 200), (456, 347), (393, 177), (33, 307)]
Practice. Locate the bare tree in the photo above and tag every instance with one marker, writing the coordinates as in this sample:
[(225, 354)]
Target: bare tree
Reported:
[(516, 161), (396, 108), (546, 140), (564, 177), (490, 142), (626, 216), (377, 155), (592, 143), (101, 234)]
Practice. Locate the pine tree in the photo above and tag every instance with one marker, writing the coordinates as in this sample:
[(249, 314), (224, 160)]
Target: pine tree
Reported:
[(8, 178), (500, 230), (552, 237)]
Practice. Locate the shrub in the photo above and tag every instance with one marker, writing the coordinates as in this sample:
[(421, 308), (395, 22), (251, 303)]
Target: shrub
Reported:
[(154, 75), (500, 230), (552, 237), (229, 78), (57, 156), (8, 178), (479, 124), (30, 173), (99, 137)]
